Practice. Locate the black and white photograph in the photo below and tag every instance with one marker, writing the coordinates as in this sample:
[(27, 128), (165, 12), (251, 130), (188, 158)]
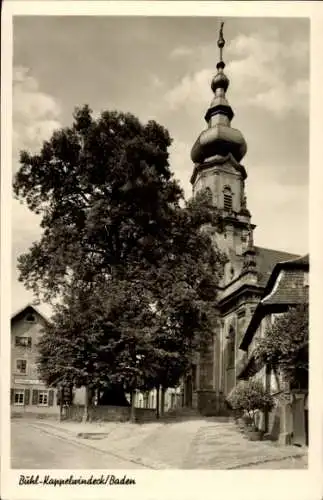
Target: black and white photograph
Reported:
[(160, 257)]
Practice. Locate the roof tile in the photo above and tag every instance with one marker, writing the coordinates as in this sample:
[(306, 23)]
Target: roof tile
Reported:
[(267, 259)]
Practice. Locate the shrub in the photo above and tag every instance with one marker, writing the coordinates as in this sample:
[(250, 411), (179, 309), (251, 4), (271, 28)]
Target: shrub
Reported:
[(250, 396)]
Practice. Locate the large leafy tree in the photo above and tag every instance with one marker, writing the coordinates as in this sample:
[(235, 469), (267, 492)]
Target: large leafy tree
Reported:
[(285, 345), (104, 190), (136, 273), (98, 339)]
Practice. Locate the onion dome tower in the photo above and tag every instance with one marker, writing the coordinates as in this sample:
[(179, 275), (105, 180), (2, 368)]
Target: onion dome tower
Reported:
[(217, 155), (219, 139)]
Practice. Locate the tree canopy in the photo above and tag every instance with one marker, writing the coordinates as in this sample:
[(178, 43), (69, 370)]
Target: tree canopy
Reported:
[(128, 258), (286, 343)]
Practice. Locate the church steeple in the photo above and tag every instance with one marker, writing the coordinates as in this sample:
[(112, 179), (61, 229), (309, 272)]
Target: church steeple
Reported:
[(219, 139), (217, 154)]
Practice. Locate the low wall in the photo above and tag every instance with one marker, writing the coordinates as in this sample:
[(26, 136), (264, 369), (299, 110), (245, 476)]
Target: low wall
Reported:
[(34, 412), (110, 414)]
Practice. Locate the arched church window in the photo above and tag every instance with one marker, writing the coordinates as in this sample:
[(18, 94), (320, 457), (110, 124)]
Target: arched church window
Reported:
[(227, 199), (231, 348)]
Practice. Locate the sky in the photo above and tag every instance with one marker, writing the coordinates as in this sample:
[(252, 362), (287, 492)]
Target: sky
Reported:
[(160, 68)]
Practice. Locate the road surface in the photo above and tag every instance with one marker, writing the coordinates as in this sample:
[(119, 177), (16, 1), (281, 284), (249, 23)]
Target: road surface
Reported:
[(34, 449)]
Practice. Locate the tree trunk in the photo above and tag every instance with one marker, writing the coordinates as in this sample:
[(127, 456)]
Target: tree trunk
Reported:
[(86, 405), (162, 401), (157, 402), (60, 393), (133, 407), (114, 396)]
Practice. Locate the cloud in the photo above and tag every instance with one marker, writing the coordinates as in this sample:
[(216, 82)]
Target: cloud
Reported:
[(35, 116), (268, 47), (284, 98), (274, 231), (290, 200), (156, 81), (181, 165), (35, 113), (264, 72), (192, 89), (180, 52)]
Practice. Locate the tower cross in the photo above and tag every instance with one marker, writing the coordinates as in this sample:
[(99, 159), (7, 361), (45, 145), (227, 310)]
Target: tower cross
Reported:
[(221, 41)]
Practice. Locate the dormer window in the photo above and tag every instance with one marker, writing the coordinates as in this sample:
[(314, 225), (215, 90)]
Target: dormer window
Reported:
[(227, 199)]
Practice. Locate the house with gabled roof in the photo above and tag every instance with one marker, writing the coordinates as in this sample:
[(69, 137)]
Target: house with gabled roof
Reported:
[(28, 394), (287, 286)]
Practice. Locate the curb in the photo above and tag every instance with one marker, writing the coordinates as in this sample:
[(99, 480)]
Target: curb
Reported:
[(114, 453), (264, 461)]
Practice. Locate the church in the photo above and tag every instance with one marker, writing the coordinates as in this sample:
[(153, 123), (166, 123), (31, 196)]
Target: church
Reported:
[(217, 157)]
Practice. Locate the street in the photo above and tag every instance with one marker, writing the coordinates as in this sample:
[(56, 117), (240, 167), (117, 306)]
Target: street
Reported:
[(192, 444), (33, 449)]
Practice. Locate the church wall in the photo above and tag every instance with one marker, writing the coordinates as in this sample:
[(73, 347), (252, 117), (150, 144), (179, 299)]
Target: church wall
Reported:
[(206, 367), (234, 182), (216, 347), (216, 179), (247, 278), (230, 325), (237, 320)]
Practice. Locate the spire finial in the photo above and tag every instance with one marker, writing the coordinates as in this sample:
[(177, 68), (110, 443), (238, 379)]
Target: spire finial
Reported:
[(221, 41)]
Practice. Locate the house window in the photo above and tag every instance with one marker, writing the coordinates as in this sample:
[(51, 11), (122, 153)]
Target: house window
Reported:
[(227, 199), (306, 279), (21, 366), (31, 318), (23, 341), (19, 398), (43, 398)]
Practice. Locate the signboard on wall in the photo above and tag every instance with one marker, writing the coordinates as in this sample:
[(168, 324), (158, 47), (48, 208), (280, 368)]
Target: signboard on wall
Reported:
[(28, 381)]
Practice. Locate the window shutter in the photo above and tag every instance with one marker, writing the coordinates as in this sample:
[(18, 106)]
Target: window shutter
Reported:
[(11, 396), (27, 396), (35, 397), (51, 398)]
